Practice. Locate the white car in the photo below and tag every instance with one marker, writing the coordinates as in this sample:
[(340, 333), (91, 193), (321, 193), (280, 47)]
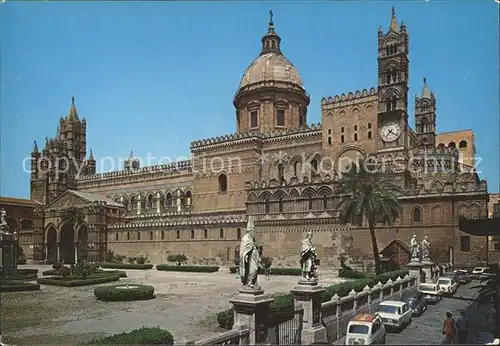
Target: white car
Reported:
[(365, 329), (447, 285), (477, 271), (395, 314), (431, 292)]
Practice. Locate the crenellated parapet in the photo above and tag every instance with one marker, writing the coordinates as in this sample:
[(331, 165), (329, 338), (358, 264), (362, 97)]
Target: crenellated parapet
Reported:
[(249, 137), (182, 221), (165, 170), (341, 100)]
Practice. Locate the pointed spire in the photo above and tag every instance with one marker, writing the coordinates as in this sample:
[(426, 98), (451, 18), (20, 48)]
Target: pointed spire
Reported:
[(271, 41), (425, 90), (58, 133), (72, 114), (131, 156), (394, 21), (91, 156), (46, 143), (35, 148)]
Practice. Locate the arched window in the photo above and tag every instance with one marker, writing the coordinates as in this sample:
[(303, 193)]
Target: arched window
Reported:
[(116, 236), (314, 166), (221, 233), (355, 127), (296, 168), (189, 198), (417, 214), (267, 207), (151, 235), (325, 202), (150, 202), (329, 140), (280, 117), (369, 135), (192, 234), (128, 235), (168, 199), (280, 205), (342, 129), (310, 203), (355, 137), (138, 235), (441, 146), (369, 125), (162, 235), (238, 233), (281, 172), (178, 234), (342, 139), (222, 183), (462, 144), (205, 234), (133, 203), (452, 145), (254, 119)]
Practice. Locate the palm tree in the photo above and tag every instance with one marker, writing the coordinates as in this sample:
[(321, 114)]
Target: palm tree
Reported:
[(368, 194)]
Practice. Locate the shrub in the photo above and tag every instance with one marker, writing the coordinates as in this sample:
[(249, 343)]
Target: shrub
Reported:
[(83, 269), (267, 262), (57, 265), (18, 286), (143, 336), (126, 266), (141, 259), (285, 303), (194, 269), (178, 259), (64, 271), (23, 274), (115, 293), (131, 260), (76, 281), (113, 257), (276, 271), (351, 274), (120, 273)]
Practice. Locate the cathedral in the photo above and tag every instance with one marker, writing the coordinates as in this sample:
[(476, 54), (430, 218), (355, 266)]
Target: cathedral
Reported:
[(277, 167)]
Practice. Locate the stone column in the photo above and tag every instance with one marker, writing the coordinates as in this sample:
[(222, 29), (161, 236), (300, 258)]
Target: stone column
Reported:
[(139, 205), (179, 206), (75, 245), (58, 253), (251, 310), (415, 268), (158, 208), (427, 269), (307, 295)]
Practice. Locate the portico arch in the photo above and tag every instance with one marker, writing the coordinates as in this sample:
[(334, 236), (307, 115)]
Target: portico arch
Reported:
[(82, 247), (51, 241), (67, 243)]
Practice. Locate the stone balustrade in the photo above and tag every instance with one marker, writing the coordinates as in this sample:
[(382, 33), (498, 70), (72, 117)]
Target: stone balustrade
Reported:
[(235, 336), (337, 312)]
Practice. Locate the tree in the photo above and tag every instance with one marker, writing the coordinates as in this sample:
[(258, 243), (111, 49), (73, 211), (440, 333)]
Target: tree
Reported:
[(179, 258), (369, 195)]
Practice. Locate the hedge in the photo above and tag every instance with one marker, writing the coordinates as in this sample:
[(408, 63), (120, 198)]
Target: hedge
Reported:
[(126, 266), (275, 271), (182, 268), (23, 274), (18, 286), (73, 281), (351, 274), (120, 273), (143, 336), (285, 303), (115, 294)]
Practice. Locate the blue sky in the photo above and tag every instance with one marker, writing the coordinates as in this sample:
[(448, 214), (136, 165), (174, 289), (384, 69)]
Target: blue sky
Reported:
[(154, 76)]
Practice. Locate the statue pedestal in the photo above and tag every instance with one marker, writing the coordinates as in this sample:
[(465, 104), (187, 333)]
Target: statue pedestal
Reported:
[(307, 295), (415, 269), (427, 269), (251, 309)]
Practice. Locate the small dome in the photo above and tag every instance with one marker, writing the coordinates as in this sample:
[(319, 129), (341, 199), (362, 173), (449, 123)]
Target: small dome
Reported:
[(271, 67)]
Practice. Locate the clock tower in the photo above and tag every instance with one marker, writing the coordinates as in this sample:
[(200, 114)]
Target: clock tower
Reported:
[(393, 61)]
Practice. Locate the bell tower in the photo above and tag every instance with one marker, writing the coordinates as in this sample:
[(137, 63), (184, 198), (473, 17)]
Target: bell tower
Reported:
[(425, 118), (393, 76)]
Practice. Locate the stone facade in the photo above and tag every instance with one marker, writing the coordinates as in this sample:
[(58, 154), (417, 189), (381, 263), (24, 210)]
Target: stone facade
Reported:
[(275, 167)]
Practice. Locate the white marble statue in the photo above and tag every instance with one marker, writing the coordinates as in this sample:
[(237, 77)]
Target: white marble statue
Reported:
[(426, 248), (4, 227), (415, 251), (250, 257), (307, 258)]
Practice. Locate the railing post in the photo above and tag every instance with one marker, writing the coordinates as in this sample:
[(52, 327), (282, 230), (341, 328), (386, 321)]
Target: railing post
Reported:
[(381, 293), (354, 297), (389, 285), (307, 294)]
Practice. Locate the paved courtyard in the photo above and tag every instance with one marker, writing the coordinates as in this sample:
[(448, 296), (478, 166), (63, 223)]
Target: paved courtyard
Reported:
[(186, 305)]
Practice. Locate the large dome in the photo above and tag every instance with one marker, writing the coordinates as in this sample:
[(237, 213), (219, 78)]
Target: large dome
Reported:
[(271, 67)]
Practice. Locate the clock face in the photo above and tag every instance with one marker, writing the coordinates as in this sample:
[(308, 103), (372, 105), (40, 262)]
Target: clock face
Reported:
[(390, 131)]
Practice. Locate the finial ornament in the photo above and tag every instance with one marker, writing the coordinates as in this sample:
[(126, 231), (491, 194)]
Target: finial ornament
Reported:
[(393, 11), (270, 17), (72, 100), (425, 80)]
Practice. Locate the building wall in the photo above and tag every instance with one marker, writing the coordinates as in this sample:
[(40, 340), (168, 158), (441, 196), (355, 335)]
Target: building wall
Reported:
[(459, 139)]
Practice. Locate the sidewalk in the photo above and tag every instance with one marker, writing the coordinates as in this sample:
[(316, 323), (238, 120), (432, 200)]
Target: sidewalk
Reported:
[(478, 319)]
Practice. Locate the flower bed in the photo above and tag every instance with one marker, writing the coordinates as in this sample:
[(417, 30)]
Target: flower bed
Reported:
[(124, 293), (183, 268), (120, 273), (143, 336), (73, 281), (284, 302), (18, 286), (126, 266), (275, 271), (23, 274)]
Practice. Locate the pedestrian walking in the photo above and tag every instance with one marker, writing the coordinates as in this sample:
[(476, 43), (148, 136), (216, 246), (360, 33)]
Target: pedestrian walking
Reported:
[(449, 329), (462, 326), (268, 273)]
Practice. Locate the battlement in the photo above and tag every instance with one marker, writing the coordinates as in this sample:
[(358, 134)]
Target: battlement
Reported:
[(254, 135), (178, 167), (337, 100), (192, 220)]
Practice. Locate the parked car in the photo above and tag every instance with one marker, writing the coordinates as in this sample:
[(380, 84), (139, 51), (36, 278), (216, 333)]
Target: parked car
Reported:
[(463, 277), (447, 285), (431, 292), (477, 271), (395, 314), (365, 329), (415, 300)]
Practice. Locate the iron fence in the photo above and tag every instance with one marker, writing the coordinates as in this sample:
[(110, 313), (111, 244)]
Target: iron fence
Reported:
[(286, 328)]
